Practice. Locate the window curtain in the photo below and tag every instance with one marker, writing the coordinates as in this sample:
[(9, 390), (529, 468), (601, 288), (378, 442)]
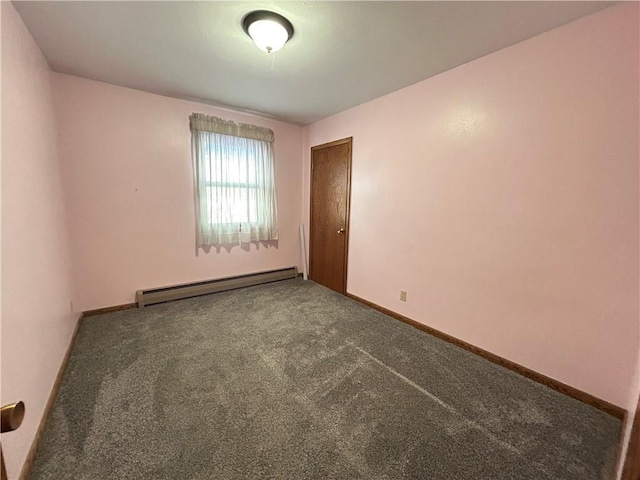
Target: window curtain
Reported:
[(235, 197)]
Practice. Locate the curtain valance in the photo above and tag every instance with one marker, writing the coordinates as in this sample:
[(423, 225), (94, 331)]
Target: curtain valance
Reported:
[(205, 123)]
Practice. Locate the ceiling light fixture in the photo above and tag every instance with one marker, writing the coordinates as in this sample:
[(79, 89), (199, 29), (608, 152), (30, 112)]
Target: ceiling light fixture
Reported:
[(268, 30)]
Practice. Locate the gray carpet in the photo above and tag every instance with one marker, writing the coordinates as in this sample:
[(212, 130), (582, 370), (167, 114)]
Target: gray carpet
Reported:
[(293, 381)]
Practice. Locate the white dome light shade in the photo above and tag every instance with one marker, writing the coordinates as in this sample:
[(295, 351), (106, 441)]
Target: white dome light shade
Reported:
[(268, 30), (268, 35)]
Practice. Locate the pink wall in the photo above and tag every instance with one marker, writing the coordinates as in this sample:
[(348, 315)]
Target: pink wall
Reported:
[(127, 170), (37, 322), (503, 196)]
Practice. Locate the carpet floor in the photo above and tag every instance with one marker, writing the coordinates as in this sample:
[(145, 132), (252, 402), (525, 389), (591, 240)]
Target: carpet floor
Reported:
[(291, 380)]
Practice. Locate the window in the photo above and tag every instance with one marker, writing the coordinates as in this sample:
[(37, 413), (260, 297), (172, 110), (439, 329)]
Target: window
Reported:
[(234, 181)]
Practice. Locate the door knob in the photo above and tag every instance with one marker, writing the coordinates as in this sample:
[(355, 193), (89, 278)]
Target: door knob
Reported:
[(12, 416), (341, 230)]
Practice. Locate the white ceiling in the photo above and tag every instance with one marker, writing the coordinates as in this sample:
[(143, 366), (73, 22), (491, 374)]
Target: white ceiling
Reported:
[(342, 54)]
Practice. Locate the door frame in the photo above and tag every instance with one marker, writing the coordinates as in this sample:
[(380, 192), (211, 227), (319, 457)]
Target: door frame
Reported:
[(348, 141), (631, 465)]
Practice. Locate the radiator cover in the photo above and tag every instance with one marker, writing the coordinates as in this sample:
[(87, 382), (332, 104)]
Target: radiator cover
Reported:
[(187, 290)]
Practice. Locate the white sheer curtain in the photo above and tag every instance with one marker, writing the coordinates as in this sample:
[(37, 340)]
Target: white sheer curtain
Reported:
[(234, 180)]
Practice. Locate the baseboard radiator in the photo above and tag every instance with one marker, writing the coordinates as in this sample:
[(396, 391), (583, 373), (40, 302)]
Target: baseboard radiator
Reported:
[(187, 290)]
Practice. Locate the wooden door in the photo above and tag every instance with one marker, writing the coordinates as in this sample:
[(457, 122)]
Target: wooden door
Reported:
[(329, 230), (632, 464), (3, 472)]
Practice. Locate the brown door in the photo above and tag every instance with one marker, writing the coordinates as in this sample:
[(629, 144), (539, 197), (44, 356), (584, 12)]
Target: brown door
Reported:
[(3, 472), (329, 232), (632, 465)]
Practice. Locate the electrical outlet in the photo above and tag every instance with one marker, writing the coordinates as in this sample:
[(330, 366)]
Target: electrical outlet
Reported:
[(403, 295)]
